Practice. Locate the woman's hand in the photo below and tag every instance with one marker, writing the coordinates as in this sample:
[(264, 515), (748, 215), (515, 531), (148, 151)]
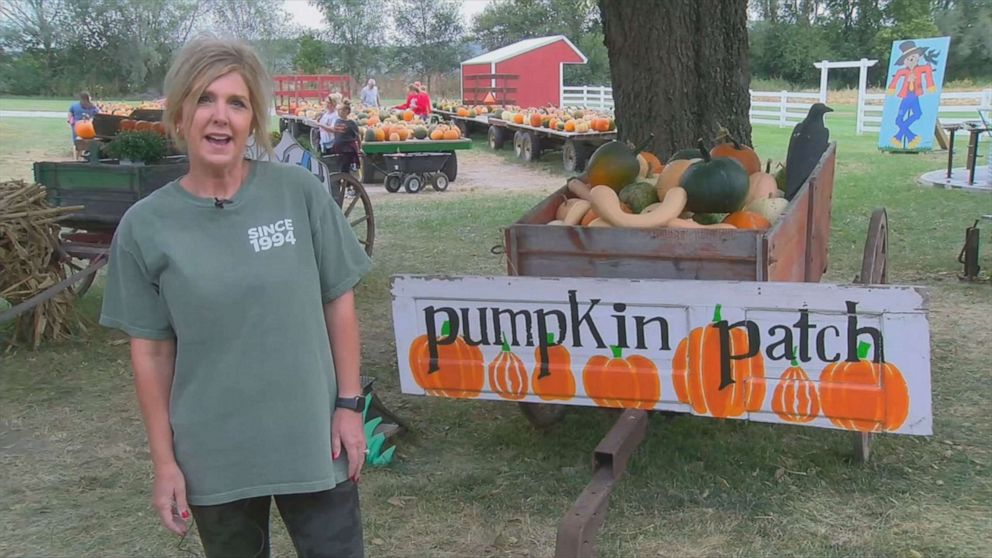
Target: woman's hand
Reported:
[(347, 431), (169, 498)]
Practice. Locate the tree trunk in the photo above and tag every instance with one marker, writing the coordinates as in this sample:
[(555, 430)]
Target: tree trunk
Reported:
[(679, 69)]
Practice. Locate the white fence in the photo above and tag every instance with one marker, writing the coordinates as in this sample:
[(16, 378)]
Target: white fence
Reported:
[(781, 108), (594, 97), (955, 107)]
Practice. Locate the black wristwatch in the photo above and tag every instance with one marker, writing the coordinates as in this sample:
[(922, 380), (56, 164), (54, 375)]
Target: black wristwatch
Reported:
[(356, 403)]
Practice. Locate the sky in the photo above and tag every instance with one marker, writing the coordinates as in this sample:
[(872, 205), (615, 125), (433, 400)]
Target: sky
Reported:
[(307, 16)]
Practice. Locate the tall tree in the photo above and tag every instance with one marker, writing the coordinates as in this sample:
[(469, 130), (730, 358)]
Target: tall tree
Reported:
[(431, 33), (252, 21), (681, 74), (355, 32)]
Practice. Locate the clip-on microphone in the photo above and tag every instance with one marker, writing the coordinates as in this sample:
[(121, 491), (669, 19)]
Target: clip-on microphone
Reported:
[(219, 202)]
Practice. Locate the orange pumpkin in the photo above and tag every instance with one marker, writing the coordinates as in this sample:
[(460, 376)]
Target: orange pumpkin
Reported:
[(452, 133), (518, 118), (508, 375), (747, 220), (404, 133), (158, 128), (653, 161), (127, 125), (373, 120), (558, 381), (865, 396), (697, 376), (84, 129), (535, 119), (743, 154), (394, 136), (628, 383), (460, 370), (603, 125), (570, 126), (437, 134), (408, 115), (795, 398), (142, 126), (462, 111), (380, 134)]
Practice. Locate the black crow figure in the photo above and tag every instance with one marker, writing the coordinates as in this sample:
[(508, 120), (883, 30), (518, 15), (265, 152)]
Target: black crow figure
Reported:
[(808, 142)]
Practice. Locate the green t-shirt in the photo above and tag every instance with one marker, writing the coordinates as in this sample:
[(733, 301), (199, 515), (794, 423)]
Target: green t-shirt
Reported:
[(241, 289)]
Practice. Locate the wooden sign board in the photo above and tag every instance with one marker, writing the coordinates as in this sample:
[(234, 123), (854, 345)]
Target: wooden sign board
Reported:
[(829, 356)]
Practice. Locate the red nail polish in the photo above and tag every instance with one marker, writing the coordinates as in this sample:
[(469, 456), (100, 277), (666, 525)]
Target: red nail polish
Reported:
[(185, 514)]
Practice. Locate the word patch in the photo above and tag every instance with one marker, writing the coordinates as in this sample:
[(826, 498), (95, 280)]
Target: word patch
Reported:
[(275, 235)]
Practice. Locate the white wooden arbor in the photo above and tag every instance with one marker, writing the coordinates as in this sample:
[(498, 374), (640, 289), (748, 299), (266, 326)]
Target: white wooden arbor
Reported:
[(863, 66)]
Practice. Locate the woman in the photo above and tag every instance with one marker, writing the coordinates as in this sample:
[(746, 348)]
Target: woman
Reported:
[(235, 285), (347, 142)]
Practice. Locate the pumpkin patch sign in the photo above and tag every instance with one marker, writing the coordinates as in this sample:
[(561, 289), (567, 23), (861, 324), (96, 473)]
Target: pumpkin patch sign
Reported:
[(831, 356)]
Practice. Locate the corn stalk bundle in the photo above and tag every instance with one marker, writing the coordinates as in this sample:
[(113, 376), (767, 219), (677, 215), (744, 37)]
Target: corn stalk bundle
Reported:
[(30, 263)]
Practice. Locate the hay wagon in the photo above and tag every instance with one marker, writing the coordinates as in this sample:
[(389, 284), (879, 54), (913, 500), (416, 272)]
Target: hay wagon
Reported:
[(529, 142)]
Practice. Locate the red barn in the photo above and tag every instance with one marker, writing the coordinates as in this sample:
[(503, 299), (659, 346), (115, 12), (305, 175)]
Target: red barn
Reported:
[(527, 73)]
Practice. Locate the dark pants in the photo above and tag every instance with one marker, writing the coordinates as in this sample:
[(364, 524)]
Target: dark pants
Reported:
[(348, 152), (322, 525)]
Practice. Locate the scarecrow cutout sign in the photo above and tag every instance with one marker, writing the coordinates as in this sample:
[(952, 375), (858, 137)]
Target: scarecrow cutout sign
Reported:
[(912, 94), (830, 356)]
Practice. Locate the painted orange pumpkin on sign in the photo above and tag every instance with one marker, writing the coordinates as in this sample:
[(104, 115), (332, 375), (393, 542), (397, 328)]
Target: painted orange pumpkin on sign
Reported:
[(795, 398), (553, 379), (713, 373), (865, 396), (628, 383), (508, 375), (457, 370)]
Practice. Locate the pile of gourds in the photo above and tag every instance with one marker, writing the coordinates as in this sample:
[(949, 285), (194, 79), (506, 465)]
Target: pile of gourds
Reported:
[(723, 187), (577, 120)]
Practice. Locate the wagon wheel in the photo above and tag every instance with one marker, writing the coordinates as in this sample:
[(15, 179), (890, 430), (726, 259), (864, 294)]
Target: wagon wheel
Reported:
[(874, 271), (497, 137), (574, 156), (357, 208), (518, 144), (450, 168), (542, 415), (531, 149), (84, 284)]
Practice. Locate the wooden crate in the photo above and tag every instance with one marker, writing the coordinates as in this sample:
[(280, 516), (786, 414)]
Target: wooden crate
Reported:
[(795, 249)]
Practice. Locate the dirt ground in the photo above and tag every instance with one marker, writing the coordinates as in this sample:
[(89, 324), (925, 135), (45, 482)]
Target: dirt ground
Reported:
[(481, 171)]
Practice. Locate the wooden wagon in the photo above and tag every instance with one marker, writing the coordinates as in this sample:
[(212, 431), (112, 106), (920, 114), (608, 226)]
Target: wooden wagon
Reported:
[(529, 142), (106, 189), (794, 249)]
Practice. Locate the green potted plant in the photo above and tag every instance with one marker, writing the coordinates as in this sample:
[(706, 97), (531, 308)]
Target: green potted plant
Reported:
[(138, 148)]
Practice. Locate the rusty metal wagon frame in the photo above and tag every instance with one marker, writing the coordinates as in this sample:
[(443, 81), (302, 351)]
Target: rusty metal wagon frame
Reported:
[(795, 249)]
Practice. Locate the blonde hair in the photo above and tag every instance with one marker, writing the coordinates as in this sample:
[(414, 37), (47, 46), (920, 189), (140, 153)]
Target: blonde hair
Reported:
[(198, 64)]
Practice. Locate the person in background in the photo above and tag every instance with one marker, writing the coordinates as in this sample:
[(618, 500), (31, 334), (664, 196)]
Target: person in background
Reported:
[(235, 284), (80, 110), (326, 124), (370, 94), (414, 102), (347, 141), (424, 101)]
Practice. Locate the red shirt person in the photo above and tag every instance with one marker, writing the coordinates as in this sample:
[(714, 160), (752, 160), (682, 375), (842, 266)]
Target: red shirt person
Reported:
[(416, 101)]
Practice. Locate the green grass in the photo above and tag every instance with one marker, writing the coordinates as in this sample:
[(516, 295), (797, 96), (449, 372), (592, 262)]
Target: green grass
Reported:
[(477, 480)]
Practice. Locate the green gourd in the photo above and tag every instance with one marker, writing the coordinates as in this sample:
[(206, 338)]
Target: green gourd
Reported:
[(717, 185), (614, 164)]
